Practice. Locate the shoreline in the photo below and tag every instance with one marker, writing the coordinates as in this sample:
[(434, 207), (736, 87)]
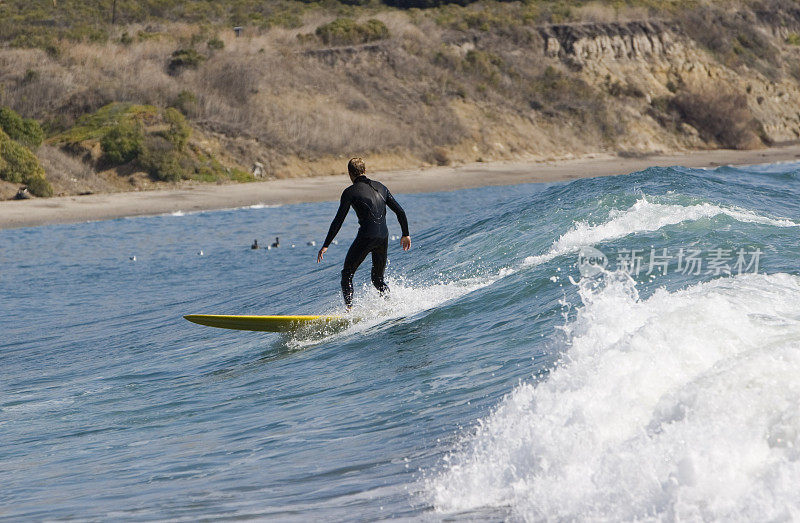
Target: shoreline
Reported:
[(193, 198)]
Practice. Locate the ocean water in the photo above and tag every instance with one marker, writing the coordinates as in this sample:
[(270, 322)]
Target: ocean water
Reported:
[(613, 348)]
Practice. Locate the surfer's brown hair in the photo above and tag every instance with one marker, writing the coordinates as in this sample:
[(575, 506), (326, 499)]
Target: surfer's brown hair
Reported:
[(356, 167)]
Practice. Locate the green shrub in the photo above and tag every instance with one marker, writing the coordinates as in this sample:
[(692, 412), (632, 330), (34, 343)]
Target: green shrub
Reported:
[(284, 19), (374, 29), (239, 175), (32, 39), (179, 131), (19, 165), (793, 39), (215, 44), (346, 31), (339, 32), (126, 39), (183, 59), (484, 63), (86, 33), (559, 12), (144, 36), (39, 186), (160, 160), (26, 131), (156, 140), (33, 133), (185, 102), (94, 126), (122, 143), (5, 169)]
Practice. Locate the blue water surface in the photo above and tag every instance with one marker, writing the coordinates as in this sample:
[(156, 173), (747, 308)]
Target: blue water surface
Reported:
[(112, 406)]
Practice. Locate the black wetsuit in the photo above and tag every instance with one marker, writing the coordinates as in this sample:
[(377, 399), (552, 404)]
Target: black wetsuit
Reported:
[(370, 199)]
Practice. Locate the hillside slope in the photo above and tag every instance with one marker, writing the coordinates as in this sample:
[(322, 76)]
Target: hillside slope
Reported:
[(402, 88)]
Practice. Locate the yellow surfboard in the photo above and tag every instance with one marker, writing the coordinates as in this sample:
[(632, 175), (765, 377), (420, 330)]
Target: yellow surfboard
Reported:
[(264, 323)]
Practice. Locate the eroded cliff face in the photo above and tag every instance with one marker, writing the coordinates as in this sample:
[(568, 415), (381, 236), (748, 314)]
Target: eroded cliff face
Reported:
[(584, 43), (656, 58)]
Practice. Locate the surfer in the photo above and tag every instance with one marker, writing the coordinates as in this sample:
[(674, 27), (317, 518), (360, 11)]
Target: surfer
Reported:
[(370, 199)]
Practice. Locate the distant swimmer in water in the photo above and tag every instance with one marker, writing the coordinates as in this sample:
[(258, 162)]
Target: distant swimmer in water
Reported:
[(255, 244), (369, 199), (277, 242)]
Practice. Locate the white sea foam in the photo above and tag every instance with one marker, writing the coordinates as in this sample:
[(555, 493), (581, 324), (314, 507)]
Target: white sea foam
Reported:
[(645, 216), (683, 406), (404, 301)]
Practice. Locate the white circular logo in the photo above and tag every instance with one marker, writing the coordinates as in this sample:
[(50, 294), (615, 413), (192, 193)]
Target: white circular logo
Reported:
[(591, 261)]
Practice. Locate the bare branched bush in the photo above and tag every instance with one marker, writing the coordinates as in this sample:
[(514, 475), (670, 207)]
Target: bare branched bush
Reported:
[(34, 84), (234, 76), (721, 116), (68, 174)]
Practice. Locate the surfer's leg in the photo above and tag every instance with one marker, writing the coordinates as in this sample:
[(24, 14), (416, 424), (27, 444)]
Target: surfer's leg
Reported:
[(355, 255), (379, 265)]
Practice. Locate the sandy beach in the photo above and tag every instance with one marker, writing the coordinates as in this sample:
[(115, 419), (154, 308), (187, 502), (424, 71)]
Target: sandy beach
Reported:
[(72, 209)]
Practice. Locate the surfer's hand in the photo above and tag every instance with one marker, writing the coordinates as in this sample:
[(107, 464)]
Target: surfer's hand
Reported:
[(321, 252), (405, 241)]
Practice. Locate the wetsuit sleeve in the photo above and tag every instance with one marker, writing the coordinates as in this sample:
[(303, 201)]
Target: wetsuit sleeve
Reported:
[(341, 214), (401, 214)]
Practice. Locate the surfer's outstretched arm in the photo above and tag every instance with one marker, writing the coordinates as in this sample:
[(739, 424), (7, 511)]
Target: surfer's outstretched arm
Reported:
[(336, 224), (405, 241)]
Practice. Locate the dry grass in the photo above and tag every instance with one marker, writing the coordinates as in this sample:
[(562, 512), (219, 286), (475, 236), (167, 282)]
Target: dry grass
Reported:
[(69, 175), (269, 88), (274, 98), (600, 12)]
